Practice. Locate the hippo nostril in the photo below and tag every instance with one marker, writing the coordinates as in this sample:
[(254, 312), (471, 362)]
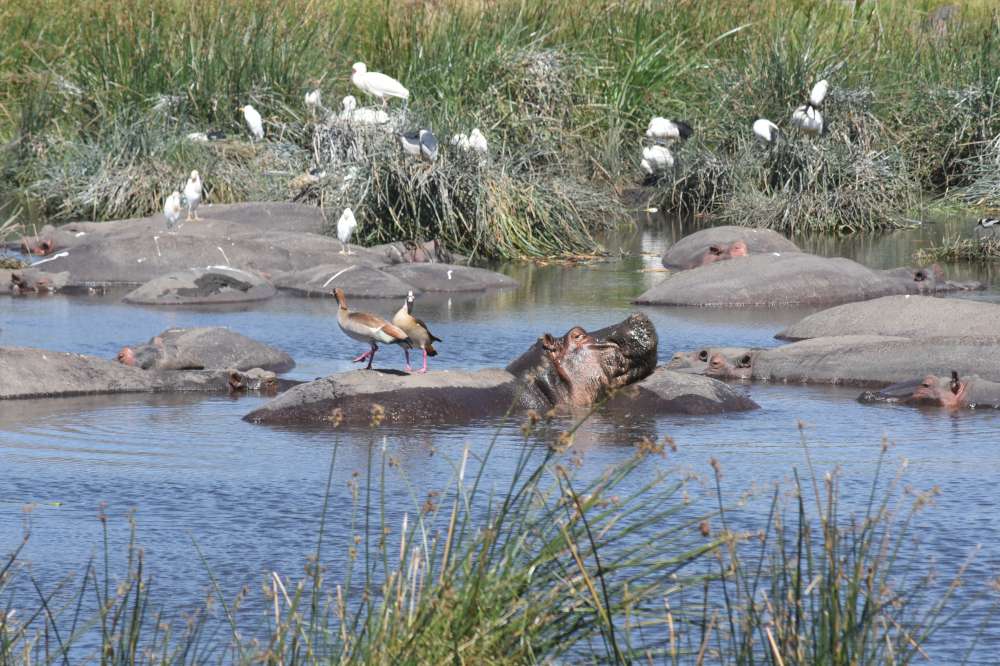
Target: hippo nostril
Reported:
[(744, 361), (919, 276)]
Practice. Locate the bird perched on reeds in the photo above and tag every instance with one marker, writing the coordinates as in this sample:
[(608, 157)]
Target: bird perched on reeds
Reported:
[(421, 143), (172, 208), (818, 93), (656, 159), (366, 327), (345, 227), (765, 131), (377, 84), (808, 119), (477, 142), (314, 101), (254, 121), (420, 336), (192, 195), (668, 130), (365, 116)]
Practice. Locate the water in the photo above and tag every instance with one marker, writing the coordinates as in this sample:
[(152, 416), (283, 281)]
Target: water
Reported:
[(250, 496)]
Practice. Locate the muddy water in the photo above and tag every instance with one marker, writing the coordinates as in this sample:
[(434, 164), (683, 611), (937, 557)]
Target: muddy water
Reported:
[(250, 495)]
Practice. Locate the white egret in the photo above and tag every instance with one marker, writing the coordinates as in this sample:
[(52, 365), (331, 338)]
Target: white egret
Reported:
[(766, 131), (808, 119), (668, 130), (422, 144), (254, 121), (345, 227), (477, 141), (818, 93), (198, 137), (460, 141), (366, 116), (314, 101), (192, 193), (172, 208), (656, 159), (377, 84)]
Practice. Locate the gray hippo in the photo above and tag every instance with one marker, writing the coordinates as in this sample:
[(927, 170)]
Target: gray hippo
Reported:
[(203, 286), (573, 371), (204, 348), (770, 280), (906, 316), (32, 282), (697, 361), (863, 360), (721, 243), (954, 392)]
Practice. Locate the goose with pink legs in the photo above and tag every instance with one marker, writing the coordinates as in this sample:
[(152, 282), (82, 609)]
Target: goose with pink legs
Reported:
[(366, 327)]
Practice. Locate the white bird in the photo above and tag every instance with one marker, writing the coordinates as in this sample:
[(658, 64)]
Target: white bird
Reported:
[(366, 116), (192, 193), (656, 159), (254, 121), (172, 208), (460, 141), (818, 93), (808, 119), (765, 130), (377, 84), (345, 227), (987, 222), (668, 130), (313, 101), (477, 141)]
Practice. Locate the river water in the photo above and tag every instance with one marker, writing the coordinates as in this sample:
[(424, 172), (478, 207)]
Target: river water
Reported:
[(250, 495)]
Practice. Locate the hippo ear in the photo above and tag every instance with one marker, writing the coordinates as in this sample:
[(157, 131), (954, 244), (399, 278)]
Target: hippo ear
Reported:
[(744, 361), (549, 343), (955, 384)]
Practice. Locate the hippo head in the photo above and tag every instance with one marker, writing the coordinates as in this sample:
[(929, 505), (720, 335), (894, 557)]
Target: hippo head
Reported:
[(143, 356), (581, 368), (37, 246), (737, 367), (931, 390), (24, 283), (253, 380), (723, 252)]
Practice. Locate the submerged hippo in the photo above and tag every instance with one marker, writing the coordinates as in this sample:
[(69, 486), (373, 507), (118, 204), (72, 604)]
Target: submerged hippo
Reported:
[(952, 393), (205, 348), (698, 361), (721, 243), (577, 369)]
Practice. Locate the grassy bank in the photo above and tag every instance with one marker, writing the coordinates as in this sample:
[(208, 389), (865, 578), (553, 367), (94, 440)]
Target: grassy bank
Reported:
[(97, 97), (538, 568)]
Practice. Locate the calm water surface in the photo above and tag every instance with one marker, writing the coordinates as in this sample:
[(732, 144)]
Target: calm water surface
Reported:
[(250, 495)]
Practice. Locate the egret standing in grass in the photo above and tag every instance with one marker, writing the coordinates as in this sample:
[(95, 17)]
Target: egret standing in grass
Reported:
[(818, 93), (345, 227), (668, 130), (421, 143), (377, 84), (314, 101), (172, 208), (477, 142), (254, 121), (766, 131), (192, 194), (656, 159), (808, 119)]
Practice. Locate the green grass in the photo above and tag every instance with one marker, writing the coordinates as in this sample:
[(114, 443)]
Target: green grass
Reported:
[(539, 567), (95, 98), (957, 248)]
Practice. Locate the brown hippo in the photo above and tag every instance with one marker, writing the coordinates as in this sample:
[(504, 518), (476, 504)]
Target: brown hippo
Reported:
[(202, 349), (736, 367), (952, 393), (698, 361), (576, 370), (720, 243), (33, 282)]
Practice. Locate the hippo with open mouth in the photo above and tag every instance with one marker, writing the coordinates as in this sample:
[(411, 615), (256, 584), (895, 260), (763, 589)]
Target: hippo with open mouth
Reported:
[(952, 393), (582, 368)]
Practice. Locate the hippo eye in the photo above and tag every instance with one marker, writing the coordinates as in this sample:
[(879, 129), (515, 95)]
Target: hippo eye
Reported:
[(703, 355)]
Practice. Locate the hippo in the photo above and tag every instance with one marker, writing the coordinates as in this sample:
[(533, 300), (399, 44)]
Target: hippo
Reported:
[(31, 281), (202, 286), (861, 360), (952, 393), (208, 348), (255, 379), (575, 370), (721, 243), (906, 316), (781, 280), (698, 361), (582, 368), (413, 252)]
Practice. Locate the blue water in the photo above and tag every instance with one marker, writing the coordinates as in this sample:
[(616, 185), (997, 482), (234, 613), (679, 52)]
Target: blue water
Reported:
[(250, 496)]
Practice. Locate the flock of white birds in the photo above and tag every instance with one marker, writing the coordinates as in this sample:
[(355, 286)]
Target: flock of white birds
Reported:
[(420, 143), (662, 132)]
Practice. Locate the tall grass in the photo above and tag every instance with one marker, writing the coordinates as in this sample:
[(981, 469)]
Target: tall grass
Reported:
[(540, 567), (566, 86)]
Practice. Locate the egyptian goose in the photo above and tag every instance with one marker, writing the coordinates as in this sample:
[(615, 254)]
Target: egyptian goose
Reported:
[(369, 328), (420, 336)]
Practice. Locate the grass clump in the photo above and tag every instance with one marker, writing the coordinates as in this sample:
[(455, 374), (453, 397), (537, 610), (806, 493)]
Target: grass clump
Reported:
[(956, 248)]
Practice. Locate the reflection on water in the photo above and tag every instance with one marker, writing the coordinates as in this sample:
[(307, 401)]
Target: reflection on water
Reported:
[(250, 495)]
